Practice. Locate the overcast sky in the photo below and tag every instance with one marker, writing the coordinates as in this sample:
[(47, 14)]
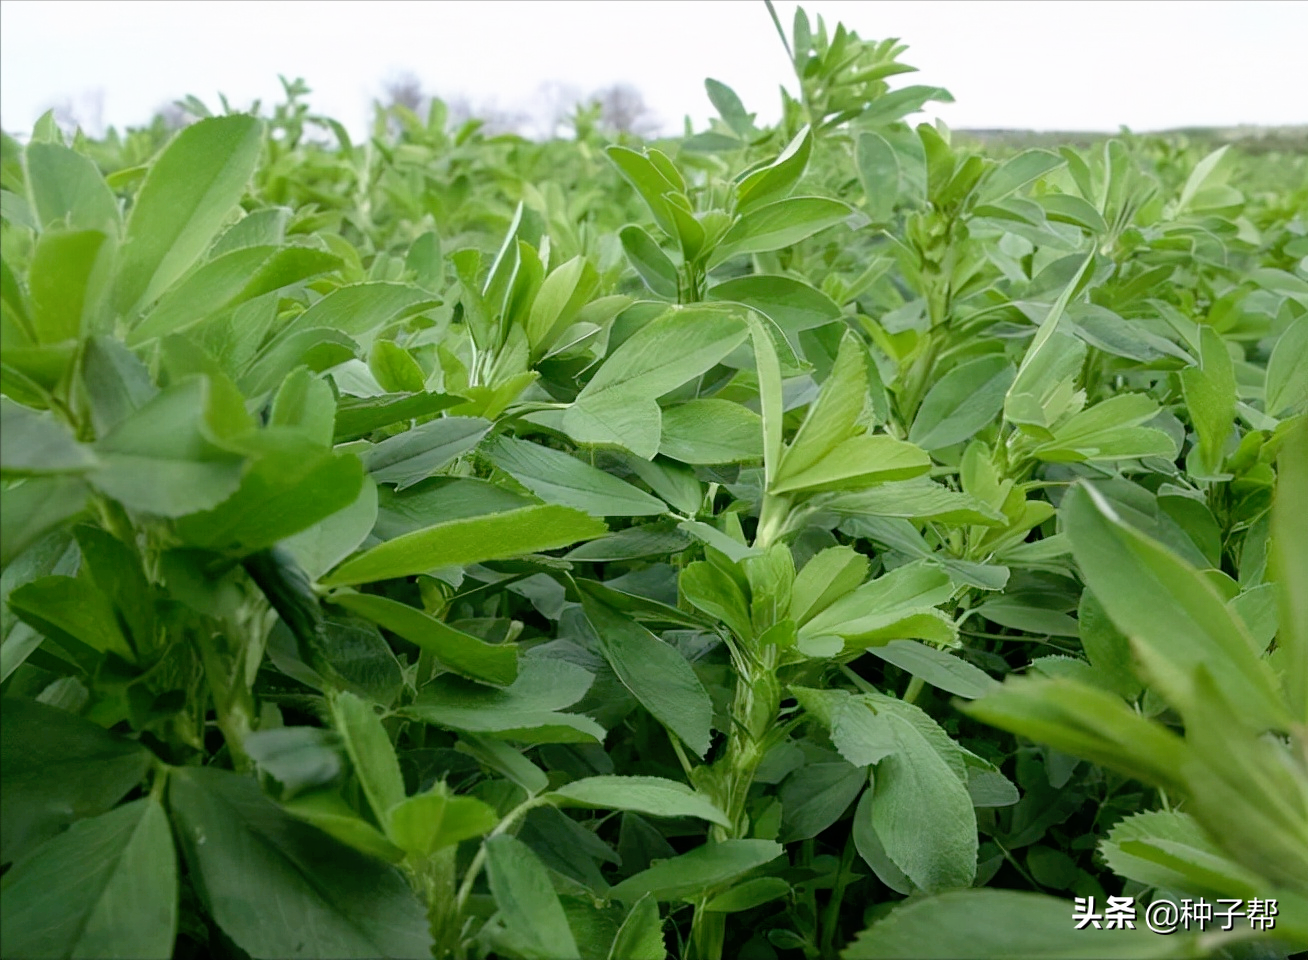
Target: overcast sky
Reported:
[(1061, 65)]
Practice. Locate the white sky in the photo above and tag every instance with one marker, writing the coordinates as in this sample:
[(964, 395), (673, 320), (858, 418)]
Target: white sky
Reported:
[(1054, 65)]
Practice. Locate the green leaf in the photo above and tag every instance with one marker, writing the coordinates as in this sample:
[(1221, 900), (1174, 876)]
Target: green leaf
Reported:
[(496, 536), (617, 407), (58, 768), (279, 887), (748, 895), (711, 431), (650, 795), (896, 104), (558, 477), (34, 443), (217, 287), (922, 813), (1290, 550), (67, 279), (641, 935), (692, 874), (1086, 722), (963, 401), (650, 183), (34, 507), (359, 416), (417, 453), (106, 887), (159, 460), (299, 758), (280, 495), (892, 168), (527, 903), (72, 609), (779, 224), (561, 296), (1016, 172), (775, 181), (455, 650), (67, 188), (1169, 849), (305, 403), (360, 309), (528, 709), (1287, 371), (794, 306), (1173, 615), (940, 669), (650, 262), (980, 924), (394, 368), (370, 750), (656, 674), (814, 797), (186, 197), (1110, 431), (873, 610), (1210, 397), (117, 383), (1043, 387), (424, 824), (325, 810), (833, 417)]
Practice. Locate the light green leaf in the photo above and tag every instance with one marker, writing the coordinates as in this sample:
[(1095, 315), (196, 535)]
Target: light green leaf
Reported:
[(650, 795), (779, 224), (711, 431), (558, 477), (188, 193), (320, 547), (641, 935), (496, 536), (429, 821), (158, 460), (748, 895), (370, 751), (1169, 849), (33, 442), (528, 709), (617, 407), (1085, 722), (940, 669), (67, 188), (1210, 396), (416, 454), (982, 924), (1287, 371), (650, 262), (461, 652), (794, 306), (922, 813), (691, 874), (962, 402), (1290, 548), (1173, 615)]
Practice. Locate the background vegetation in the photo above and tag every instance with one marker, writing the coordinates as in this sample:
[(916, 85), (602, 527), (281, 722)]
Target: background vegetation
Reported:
[(841, 538)]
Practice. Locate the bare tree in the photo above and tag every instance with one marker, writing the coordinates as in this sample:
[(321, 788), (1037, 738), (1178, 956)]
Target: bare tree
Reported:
[(623, 110), (406, 91)]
